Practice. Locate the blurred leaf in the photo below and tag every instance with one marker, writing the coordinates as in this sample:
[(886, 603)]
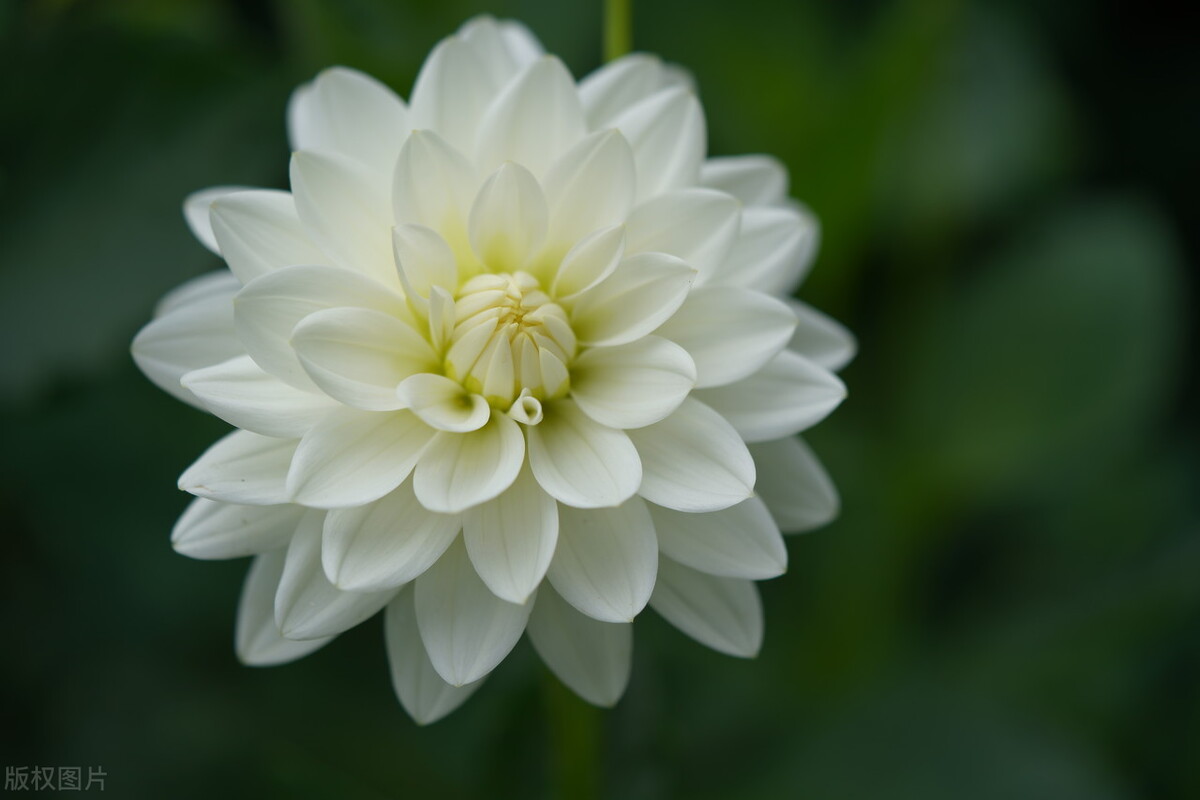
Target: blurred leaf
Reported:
[(1061, 352)]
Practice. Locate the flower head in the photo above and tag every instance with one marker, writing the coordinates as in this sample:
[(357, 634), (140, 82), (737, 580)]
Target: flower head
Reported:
[(513, 357)]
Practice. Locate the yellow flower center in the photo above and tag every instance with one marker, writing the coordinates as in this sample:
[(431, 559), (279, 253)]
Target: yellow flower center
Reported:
[(510, 339)]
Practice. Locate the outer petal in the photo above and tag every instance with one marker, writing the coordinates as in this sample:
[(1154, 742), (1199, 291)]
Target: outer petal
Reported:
[(260, 231), (266, 311), (511, 539), (606, 560), (731, 333), (503, 48), (640, 295), (741, 541), (592, 186), (451, 93), (535, 119), (242, 468), (619, 84), (257, 637), (196, 213), (307, 605), (668, 136), (195, 331), (820, 338), (786, 396), (460, 470), (359, 356), (424, 695), (434, 186), (593, 658), (794, 485), (722, 613), (699, 226), (579, 461), (218, 283), (209, 529), (345, 210), (632, 385), (755, 180), (466, 629), (354, 457), (694, 461), (384, 544), (773, 251), (241, 393), (346, 112)]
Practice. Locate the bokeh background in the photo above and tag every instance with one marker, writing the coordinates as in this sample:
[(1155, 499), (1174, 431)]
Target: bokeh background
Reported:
[(1009, 606)]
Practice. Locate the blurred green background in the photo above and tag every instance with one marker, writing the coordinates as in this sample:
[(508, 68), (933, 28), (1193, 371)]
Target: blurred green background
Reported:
[(1009, 606)]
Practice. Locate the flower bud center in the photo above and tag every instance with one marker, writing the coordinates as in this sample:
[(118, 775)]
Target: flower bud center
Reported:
[(509, 337)]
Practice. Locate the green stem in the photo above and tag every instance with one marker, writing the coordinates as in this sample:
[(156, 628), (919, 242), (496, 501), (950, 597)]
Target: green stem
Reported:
[(574, 729), (618, 28)]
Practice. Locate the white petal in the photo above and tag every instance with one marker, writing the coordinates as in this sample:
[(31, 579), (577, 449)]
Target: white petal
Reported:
[(345, 210), (219, 282), (696, 225), (266, 311), (196, 213), (590, 261), (579, 461), (507, 223), (591, 657), (731, 333), (643, 292), (197, 332), (424, 695), (257, 637), (632, 385), (243, 468), (606, 560), (788, 395), (520, 42), (260, 231), (592, 186), (820, 338), (722, 613), (241, 393), (349, 113), (511, 539), (535, 119), (384, 544), (741, 541), (616, 86), (794, 485), (773, 250), (434, 186), (667, 133), (443, 404), (307, 605), (503, 48), (353, 457), (359, 356), (209, 529), (466, 629), (460, 470), (693, 461), (423, 261), (451, 93), (755, 180)]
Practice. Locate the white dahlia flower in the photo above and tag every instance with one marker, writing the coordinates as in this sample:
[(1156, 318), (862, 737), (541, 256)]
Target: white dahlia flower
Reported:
[(511, 358)]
